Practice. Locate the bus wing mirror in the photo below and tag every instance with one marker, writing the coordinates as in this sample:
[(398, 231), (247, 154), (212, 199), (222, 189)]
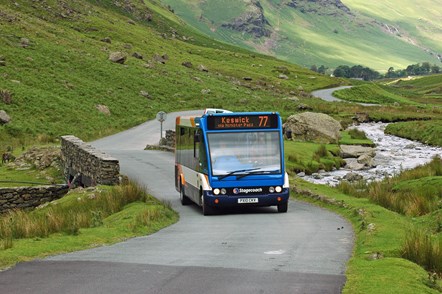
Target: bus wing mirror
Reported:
[(197, 138)]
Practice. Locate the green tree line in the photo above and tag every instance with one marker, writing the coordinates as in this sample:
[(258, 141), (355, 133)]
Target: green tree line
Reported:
[(368, 74)]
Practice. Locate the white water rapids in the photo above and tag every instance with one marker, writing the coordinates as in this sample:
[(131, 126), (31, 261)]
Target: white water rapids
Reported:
[(393, 154)]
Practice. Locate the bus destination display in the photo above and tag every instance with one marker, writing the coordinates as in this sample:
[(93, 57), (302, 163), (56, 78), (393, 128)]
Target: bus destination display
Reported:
[(242, 122)]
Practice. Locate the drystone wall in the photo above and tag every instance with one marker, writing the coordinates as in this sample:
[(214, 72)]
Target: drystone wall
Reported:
[(86, 166), (29, 197)]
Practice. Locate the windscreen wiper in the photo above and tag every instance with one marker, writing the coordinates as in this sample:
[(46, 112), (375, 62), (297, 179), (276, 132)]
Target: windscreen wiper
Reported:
[(256, 173), (237, 171)]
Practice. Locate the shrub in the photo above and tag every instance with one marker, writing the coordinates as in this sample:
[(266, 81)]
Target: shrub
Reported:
[(6, 96), (357, 134)]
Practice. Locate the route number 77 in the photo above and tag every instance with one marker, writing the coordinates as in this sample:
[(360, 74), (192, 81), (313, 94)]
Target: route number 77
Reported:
[(263, 119)]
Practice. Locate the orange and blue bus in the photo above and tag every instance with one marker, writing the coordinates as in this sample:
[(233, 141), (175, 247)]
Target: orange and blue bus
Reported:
[(231, 159)]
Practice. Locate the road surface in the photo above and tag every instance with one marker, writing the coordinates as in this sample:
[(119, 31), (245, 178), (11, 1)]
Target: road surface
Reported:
[(240, 251), (327, 94)]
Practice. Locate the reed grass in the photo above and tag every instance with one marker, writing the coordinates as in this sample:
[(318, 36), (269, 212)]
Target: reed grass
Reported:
[(320, 152), (424, 249), (69, 218), (413, 192)]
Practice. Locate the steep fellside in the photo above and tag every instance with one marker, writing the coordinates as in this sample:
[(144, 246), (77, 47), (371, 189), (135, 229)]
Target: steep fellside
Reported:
[(321, 32), (92, 68)]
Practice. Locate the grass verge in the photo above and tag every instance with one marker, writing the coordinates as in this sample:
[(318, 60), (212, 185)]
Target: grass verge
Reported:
[(377, 265), (107, 216), (310, 157)]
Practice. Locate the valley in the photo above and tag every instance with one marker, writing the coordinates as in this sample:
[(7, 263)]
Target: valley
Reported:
[(97, 68)]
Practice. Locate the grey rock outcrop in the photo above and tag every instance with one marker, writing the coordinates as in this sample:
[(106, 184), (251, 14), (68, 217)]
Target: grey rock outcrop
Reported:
[(353, 164), (103, 109), (366, 159), (107, 40), (117, 57), (355, 151), (352, 177), (137, 55), (202, 68), (187, 64), (358, 157), (311, 126), (4, 117), (252, 21)]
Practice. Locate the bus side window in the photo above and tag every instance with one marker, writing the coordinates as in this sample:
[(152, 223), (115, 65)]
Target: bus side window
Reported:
[(196, 141), (199, 152)]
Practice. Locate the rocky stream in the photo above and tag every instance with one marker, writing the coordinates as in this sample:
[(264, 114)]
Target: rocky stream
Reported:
[(393, 154)]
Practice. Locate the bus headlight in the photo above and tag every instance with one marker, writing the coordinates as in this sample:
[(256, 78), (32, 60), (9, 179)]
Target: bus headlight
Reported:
[(216, 191), (223, 191), (278, 189), (271, 189)]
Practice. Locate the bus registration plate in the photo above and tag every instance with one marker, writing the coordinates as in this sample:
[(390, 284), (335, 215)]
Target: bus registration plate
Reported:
[(248, 200)]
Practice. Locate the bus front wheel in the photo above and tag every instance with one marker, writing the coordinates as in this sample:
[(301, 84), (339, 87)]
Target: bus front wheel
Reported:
[(183, 198), (207, 210), (283, 207)]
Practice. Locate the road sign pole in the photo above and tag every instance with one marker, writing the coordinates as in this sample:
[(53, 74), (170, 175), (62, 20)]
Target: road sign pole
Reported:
[(161, 117)]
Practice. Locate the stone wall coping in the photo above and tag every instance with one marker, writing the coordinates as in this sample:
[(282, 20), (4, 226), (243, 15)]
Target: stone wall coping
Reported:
[(89, 148)]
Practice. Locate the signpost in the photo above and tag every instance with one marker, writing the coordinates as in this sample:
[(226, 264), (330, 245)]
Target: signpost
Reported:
[(161, 116)]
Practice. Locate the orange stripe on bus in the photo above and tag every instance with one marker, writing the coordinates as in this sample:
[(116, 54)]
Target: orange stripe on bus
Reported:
[(183, 180)]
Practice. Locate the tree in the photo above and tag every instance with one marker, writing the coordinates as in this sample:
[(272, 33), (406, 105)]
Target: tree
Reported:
[(435, 69), (356, 71), (413, 69), (425, 68), (342, 71), (322, 69)]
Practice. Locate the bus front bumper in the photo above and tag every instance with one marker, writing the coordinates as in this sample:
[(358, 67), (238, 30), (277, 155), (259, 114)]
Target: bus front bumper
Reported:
[(246, 200)]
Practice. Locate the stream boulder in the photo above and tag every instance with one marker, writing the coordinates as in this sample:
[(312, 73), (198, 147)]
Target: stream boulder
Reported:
[(355, 151), (312, 126), (358, 157)]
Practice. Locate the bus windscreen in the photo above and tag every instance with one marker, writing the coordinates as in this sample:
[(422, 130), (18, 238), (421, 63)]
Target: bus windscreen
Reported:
[(245, 152)]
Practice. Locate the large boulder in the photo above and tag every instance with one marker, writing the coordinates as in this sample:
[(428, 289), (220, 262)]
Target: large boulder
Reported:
[(312, 126)]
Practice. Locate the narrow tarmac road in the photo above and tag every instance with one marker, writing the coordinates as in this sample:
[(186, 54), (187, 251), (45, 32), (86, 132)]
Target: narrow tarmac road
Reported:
[(240, 251)]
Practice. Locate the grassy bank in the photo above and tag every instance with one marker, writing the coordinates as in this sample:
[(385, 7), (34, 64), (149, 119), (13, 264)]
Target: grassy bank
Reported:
[(428, 132), (398, 226), (371, 93), (80, 220), (377, 265)]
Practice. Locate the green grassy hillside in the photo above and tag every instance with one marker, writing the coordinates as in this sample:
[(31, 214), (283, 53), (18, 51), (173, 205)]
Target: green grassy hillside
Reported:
[(56, 70), (309, 32), (416, 21)]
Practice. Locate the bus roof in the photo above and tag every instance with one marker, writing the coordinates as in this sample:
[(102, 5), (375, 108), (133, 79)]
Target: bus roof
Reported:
[(187, 121)]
